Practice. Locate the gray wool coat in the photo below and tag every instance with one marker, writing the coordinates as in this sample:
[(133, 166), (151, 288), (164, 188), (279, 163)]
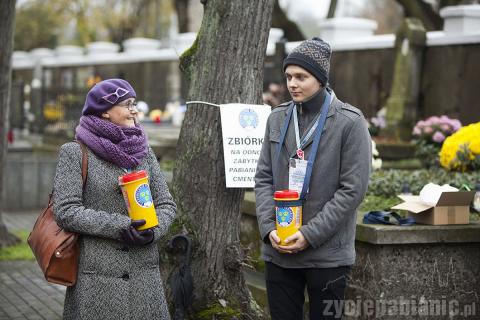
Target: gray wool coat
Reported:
[(115, 281), (338, 185)]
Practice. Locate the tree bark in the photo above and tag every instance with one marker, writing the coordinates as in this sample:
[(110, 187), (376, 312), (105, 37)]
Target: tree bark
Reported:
[(280, 20), (225, 65), (446, 3), (181, 7), (7, 20), (331, 9), (120, 30), (422, 11)]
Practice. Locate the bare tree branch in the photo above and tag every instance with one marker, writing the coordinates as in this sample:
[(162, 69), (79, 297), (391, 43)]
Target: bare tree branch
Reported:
[(331, 9), (280, 20), (181, 7), (423, 11)]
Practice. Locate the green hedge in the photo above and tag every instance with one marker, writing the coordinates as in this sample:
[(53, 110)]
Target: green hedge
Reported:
[(372, 202), (388, 183)]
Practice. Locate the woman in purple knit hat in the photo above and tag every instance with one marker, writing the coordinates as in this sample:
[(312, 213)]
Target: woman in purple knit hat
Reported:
[(118, 274)]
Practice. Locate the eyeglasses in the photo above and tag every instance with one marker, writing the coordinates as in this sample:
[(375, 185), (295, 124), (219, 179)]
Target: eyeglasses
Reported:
[(129, 104), (114, 96)]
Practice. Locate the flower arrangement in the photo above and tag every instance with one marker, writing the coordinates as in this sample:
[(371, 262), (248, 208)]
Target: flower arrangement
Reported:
[(376, 161), (461, 151), (377, 123), (429, 136), (436, 129)]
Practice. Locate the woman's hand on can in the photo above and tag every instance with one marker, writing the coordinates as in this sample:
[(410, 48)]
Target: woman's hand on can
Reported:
[(132, 236)]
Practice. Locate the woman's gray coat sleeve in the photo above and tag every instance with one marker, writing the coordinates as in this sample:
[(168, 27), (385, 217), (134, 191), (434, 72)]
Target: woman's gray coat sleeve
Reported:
[(164, 205), (68, 207)]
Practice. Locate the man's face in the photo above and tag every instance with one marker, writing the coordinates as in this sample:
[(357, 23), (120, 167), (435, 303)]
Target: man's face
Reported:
[(300, 83)]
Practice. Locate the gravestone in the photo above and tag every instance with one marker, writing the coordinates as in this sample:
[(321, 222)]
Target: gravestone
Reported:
[(403, 103)]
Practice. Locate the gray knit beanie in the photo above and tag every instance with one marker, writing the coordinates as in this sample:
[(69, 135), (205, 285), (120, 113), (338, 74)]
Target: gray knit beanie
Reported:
[(312, 55)]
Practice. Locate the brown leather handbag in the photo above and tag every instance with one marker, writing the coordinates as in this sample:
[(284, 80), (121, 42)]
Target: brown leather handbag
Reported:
[(55, 249)]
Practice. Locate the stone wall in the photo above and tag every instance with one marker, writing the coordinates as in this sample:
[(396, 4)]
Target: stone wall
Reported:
[(414, 281), (28, 180), (449, 81), (363, 77), (411, 272), (407, 272)]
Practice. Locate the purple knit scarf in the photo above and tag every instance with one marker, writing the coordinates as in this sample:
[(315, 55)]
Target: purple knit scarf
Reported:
[(123, 146)]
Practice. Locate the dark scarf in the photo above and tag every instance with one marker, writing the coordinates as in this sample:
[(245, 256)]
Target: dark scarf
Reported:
[(309, 109), (123, 146)]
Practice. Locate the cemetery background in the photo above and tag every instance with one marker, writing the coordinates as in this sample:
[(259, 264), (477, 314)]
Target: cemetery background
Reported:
[(367, 70)]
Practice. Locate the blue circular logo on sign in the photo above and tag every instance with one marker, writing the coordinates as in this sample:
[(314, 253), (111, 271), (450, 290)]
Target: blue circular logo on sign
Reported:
[(248, 118), (284, 216), (143, 197)]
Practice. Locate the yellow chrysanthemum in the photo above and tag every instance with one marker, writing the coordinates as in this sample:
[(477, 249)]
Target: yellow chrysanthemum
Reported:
[(466, 143), (475, 146)]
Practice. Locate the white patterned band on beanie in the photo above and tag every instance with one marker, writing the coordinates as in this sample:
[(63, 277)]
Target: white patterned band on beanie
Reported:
[(312, 55)]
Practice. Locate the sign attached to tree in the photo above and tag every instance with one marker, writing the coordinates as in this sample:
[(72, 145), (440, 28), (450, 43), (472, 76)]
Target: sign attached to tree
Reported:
[(243, 129)]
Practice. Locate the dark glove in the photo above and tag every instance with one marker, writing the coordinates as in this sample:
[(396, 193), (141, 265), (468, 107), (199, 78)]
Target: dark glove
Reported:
[(134, 237)]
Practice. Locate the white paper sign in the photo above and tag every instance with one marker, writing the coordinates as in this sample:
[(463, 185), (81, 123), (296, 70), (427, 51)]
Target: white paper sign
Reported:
[(243, 129)]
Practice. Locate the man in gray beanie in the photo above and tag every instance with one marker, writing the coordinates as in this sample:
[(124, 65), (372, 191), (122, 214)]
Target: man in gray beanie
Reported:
[(319, 148)]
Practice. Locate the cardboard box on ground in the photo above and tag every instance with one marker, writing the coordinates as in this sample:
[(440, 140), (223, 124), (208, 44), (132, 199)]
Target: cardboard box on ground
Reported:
[(442, 207)]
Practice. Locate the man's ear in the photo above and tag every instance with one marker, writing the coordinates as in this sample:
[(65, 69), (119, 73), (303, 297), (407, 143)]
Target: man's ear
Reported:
[(105, 115)]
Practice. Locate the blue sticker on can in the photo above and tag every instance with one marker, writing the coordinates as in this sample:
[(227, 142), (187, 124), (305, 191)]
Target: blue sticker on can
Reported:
[(143, 197), (284, 216)]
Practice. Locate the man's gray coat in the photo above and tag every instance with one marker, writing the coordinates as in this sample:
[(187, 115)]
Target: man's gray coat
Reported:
[(115, 281), (338, 184)]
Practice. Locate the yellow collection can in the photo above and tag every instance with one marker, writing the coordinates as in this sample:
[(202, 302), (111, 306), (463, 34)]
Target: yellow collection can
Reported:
[(288, 213), (138, 198)]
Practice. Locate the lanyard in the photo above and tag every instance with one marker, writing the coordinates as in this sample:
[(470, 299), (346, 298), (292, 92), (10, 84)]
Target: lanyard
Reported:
[(318, 135), (301, 144)]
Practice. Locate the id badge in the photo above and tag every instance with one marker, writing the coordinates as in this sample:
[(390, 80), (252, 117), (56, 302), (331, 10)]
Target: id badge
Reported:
[(297, 170)]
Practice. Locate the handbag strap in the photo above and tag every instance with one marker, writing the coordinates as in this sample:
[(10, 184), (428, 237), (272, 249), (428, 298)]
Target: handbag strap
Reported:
[(84, 170)]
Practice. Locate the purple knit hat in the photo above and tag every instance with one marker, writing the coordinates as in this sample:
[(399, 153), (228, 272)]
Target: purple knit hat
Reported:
[(105, 95)]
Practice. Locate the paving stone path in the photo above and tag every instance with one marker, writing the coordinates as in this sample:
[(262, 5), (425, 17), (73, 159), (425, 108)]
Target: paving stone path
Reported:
[(24, 293)]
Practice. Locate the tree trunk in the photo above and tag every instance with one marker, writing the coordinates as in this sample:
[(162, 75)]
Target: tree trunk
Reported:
[(280, 20), (446, 3), (422, 11), (181, 7), (7, 19), (331, 9), (225, 65)]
